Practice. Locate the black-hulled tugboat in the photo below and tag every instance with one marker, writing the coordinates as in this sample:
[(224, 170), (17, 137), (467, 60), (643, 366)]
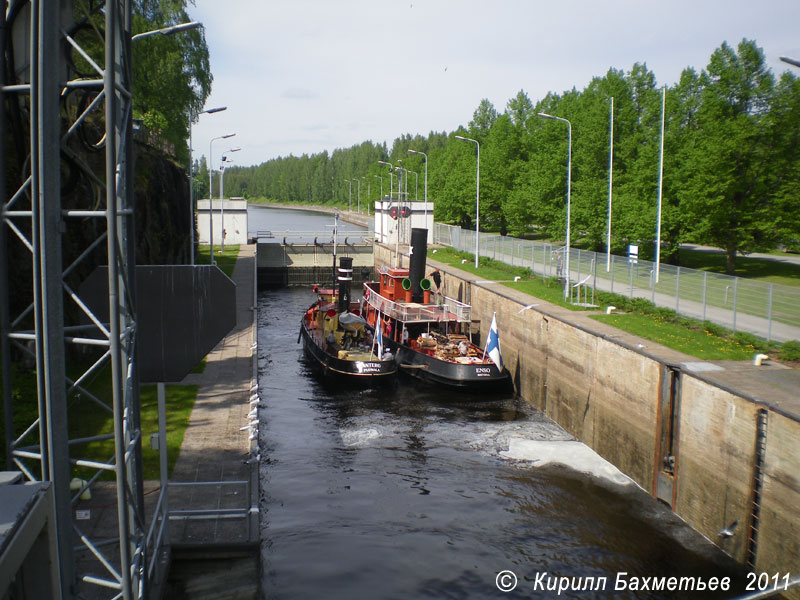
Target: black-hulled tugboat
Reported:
[(339, 340), (427, 331)]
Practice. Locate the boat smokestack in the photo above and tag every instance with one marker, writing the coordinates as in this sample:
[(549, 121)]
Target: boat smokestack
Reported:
[(417, 260), (345, 278)]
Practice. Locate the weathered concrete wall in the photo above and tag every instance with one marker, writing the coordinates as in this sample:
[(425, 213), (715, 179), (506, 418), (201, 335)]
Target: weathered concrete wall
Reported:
[(715, 462), (615, 397), (779, 531)]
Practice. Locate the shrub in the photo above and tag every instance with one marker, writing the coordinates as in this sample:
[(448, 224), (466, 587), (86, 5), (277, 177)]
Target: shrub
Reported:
[(790, 350)]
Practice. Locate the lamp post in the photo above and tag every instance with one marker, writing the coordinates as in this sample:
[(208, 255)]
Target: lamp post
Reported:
[(569, 179), (211, 192), (610, 175), (222, 196), (191, 181), (426, 182), (477, 193)]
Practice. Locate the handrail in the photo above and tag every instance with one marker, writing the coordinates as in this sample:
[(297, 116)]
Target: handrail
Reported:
[(443, 309)]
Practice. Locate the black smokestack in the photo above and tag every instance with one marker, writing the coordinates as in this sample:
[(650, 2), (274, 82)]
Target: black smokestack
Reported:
[(345, 279), (419, 254)]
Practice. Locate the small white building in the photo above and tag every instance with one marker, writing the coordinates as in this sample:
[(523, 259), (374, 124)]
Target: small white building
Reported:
[(230, 220), (387, 228)]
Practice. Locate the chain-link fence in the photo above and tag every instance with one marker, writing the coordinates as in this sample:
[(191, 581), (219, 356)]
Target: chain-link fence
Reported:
[(768, 310)]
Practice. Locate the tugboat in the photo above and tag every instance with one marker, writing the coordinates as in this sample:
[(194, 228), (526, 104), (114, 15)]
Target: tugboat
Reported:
[(339, 340), (428, 331)]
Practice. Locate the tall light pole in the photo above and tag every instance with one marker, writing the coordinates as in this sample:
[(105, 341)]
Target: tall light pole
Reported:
[(222, 195), (660, 185), (191, 181), (610, 175), (211, 192), (426, 182), (477, 193), (569, 185)]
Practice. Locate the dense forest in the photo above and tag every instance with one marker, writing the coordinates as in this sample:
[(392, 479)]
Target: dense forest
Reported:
[(731, 173)]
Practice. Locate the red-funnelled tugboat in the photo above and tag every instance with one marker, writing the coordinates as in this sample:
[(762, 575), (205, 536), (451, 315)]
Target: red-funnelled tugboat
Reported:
[(339, 340), (427, 331)]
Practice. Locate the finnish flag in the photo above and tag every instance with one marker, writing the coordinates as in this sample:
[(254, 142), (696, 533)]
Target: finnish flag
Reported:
[(493, 344), (379, 335)]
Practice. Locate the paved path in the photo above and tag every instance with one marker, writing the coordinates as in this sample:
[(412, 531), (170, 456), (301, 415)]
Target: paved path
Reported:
[(214, 448)]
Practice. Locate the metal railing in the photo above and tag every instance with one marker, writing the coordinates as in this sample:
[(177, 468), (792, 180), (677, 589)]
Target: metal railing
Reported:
[(322, 237), (768, 310)]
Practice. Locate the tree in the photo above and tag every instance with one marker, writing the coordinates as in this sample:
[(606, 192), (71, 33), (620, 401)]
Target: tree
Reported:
[(171, 74), (727, 191)]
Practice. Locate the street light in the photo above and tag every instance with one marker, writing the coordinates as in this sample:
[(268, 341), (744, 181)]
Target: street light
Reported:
[(222, 195), (790, 61), (477, 192), (168, 30), (211, 191), (191, 180), (569, 179), (426, 182)]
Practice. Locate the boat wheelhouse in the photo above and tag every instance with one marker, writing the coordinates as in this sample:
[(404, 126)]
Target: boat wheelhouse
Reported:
[(428, 332), (339, 340)]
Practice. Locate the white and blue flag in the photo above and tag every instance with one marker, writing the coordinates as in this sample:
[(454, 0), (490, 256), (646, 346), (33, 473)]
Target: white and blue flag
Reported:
[(493, 344), (379, 335)]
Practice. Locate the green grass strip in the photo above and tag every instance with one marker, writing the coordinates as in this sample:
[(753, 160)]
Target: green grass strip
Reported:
[(226, 259)]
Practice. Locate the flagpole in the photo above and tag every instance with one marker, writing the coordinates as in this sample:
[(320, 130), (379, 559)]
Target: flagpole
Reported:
[(377, 330), (487, 337)]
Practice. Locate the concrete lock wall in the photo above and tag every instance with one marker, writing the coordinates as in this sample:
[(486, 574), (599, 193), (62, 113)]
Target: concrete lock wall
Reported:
[(634, 410)]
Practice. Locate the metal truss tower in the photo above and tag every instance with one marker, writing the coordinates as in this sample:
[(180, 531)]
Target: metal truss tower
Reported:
[(65, 77)]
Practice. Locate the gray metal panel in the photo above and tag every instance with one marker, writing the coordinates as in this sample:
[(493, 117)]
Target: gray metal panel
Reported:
[(183, 312)]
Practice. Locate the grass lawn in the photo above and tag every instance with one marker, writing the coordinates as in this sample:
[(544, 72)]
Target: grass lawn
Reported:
[(226, 260), (88, 418), (694, 341), (770, 271)]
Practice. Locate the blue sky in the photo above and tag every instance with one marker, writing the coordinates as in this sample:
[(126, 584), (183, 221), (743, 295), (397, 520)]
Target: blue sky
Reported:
[(302, 76)]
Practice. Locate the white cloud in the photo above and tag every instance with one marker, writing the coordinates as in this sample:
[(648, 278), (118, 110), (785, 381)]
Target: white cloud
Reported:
[(306, 76)]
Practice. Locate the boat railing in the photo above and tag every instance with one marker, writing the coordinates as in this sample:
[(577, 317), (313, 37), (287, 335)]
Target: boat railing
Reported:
[(443, 308)]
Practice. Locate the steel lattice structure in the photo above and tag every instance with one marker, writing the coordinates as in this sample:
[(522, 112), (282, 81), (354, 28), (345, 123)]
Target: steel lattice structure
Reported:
[(77, 80)]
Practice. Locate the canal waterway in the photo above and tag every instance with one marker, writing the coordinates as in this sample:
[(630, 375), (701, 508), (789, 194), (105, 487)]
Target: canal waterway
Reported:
[(411, 492)]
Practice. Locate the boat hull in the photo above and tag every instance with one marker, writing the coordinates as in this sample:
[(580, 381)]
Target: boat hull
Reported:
[(481, 378), (363, 372)]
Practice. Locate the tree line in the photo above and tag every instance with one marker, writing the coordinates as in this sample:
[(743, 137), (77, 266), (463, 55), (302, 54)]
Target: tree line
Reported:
[(731, 162)]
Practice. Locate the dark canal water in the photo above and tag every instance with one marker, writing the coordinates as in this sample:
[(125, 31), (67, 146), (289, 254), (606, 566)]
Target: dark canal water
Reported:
[(411, 492)]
